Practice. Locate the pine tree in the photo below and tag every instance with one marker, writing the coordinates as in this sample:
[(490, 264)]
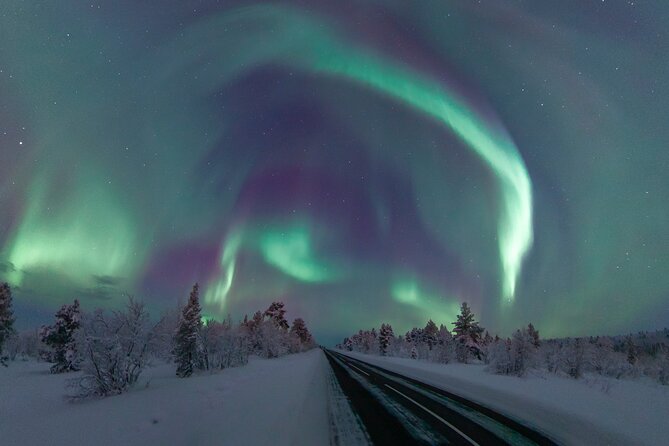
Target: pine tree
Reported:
[(430, 334), (467, 334), (187, 349), (534, 334), (385, 335), (6, 317), (300, 332), (277, 314), (414, 352), (61, 338)]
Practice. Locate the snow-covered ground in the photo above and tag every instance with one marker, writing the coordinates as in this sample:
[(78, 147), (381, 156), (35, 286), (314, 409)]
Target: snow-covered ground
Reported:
[(279, 401), (589, 411)]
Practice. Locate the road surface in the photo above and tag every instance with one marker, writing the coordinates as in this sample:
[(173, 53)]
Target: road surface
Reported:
[(395, 409)]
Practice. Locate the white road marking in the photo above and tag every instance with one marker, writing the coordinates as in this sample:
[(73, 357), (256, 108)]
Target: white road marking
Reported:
[(359, 370), (351, 365), (434, 415)]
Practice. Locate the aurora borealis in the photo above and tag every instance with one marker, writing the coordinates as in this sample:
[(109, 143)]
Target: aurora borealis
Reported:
[(362, 161)]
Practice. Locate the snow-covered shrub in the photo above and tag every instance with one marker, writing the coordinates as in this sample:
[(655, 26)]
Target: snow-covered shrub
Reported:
[(513, 356), (500, 360), (444, 350), (551, 354), (224, 345), (114, 350), (574, 357), (663, 371), (523, 351), (162, 340), (23, 345), (274, 340), (602, 357)]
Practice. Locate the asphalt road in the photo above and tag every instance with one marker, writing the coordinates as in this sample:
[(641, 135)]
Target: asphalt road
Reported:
[(397, 410)]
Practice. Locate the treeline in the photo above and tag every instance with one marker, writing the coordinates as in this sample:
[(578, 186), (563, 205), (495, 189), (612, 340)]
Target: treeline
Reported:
[(631, 356), (112, 348)]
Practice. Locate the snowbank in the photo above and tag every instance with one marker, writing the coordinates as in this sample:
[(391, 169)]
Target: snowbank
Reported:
[(589, 411), (278, 401)]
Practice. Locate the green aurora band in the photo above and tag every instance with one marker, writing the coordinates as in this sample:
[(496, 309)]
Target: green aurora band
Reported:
[(359, 160), (287, 36)]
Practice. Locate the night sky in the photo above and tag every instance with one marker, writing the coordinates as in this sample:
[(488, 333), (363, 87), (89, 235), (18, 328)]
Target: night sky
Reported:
[(364, 162)]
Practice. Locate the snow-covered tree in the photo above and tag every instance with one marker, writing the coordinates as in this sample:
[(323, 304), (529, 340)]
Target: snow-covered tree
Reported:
[(523, 351), (274, 340), (187, 344), (630, 350), (551, 353), (162, 340), (499, 357), (429, 335), (225, 345), (386, 336), (24, 344), (414, 352), (414, 336), (277, 314), (301, 339), (574, 357), (268, 332), (467, 334), (365, 341), (60, 337), (534, 334), (252, 329), (6, 318), (603, 358), (444, 350)]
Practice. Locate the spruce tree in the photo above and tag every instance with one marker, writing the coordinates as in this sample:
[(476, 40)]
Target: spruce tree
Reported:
[(385, 335), (6, 317), (467, 334), (187, 349), (61, 338)]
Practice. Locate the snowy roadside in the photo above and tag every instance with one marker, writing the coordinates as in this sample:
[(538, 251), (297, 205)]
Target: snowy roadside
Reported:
[(278, 401), (588, 412), (346, 428)]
